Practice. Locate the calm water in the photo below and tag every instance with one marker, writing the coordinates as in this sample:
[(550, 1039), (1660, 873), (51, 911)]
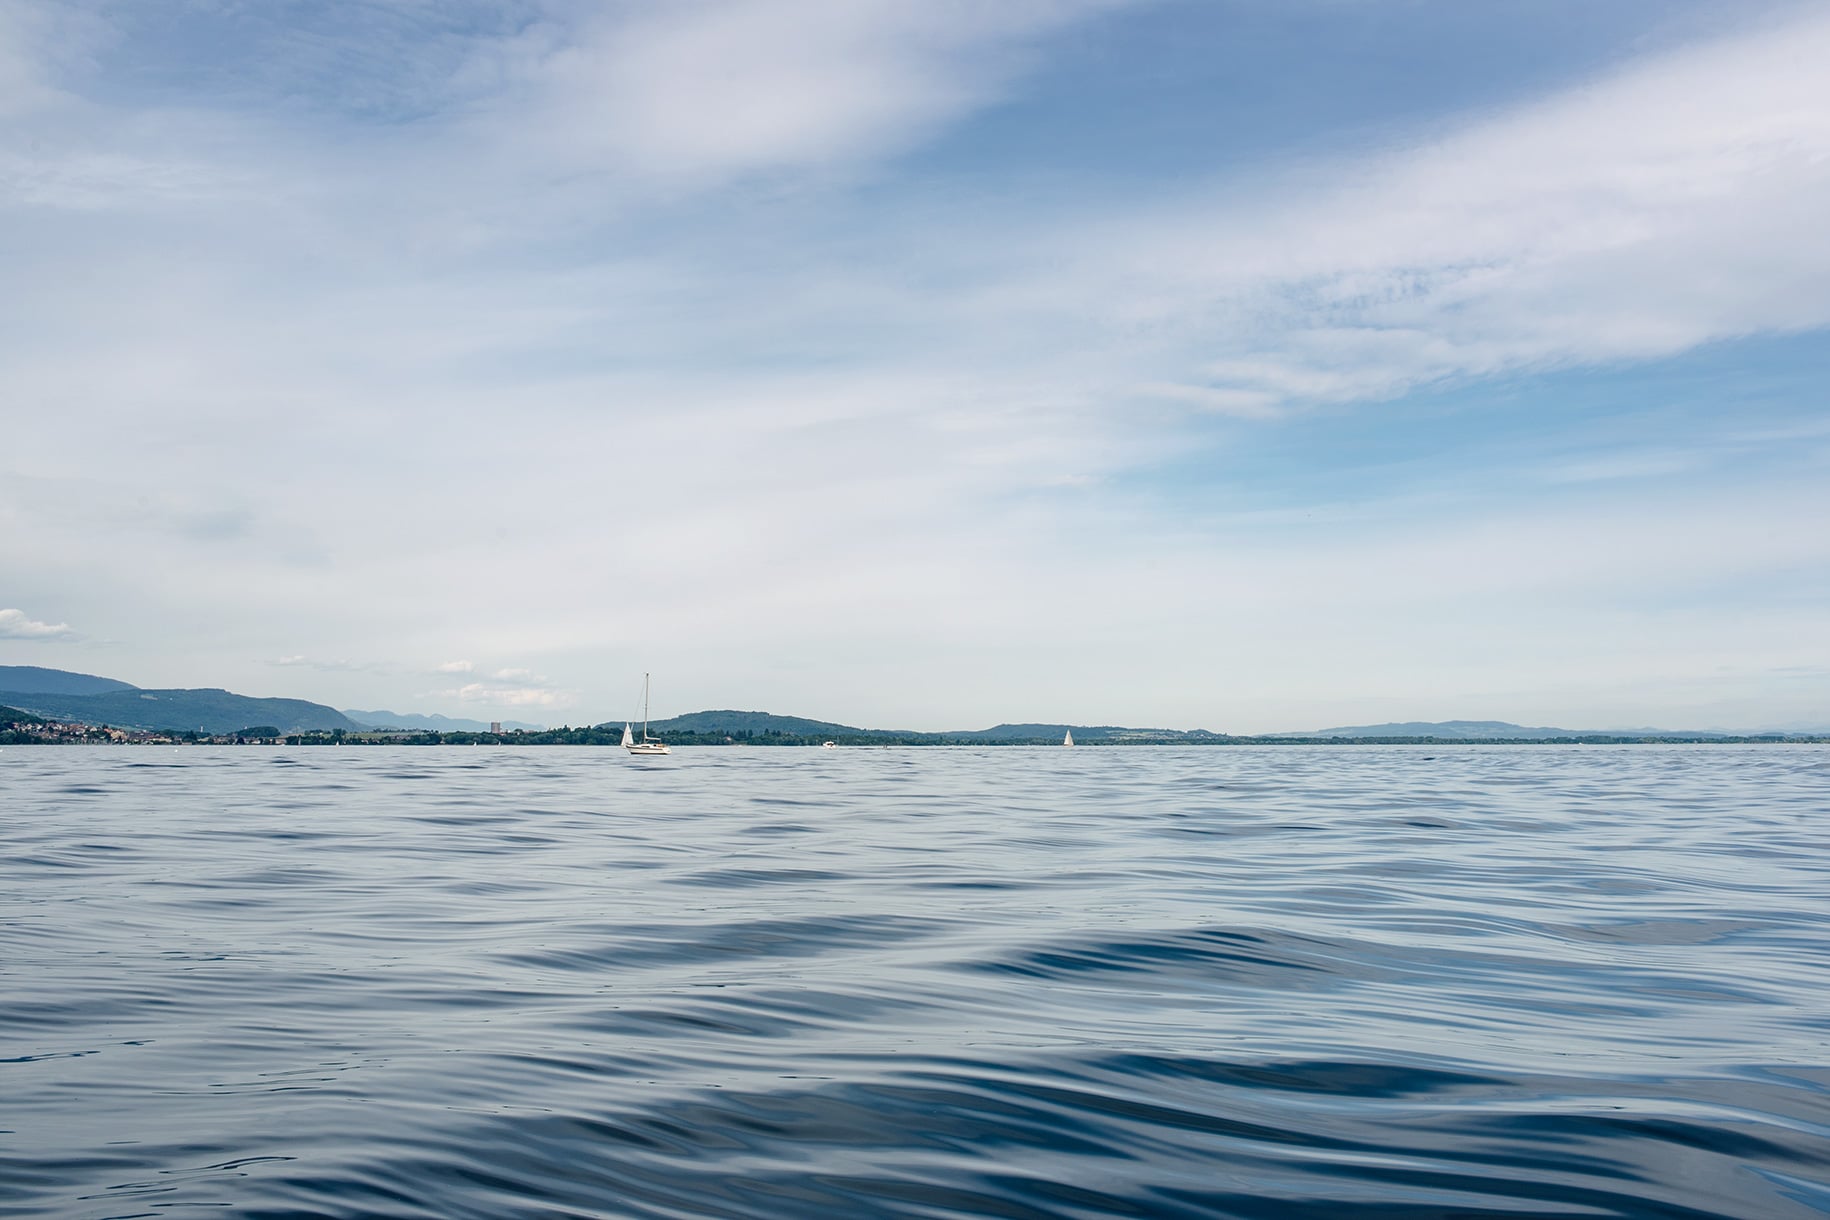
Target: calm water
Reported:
[(1309, 982)]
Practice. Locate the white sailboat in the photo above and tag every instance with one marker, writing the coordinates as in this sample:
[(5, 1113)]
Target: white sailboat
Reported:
[(1069, 739), (647, 745)]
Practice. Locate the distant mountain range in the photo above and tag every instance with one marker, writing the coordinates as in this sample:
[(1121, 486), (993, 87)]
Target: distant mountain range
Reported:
[(1460, 730), (204, 711), (88, 699), (738, 725), (434, 723), (59, 694), (1500, 730)]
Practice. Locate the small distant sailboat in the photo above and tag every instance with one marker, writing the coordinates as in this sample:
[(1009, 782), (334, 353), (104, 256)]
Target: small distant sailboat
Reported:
[(1069, 739), (647, 745)]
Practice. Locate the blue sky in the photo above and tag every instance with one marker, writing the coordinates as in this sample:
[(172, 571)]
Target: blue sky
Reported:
[(1240, 365)]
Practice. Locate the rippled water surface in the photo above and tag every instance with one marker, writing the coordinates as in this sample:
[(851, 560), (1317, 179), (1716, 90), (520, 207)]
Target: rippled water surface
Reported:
[(1257, 982)]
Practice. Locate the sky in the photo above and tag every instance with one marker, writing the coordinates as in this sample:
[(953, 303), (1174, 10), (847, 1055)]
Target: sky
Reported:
[(1235, 364)]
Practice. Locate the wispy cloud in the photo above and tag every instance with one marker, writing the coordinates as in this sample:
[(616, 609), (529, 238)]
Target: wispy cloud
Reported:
[(493, 695), (35, 41), (328, 666), (505, 687), (1670, 204), (1628, 464), (701, 91), (14, 625)]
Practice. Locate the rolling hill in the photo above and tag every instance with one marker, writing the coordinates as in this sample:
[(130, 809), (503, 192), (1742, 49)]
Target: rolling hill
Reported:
[(728, 723), (1484, 730), (204, 711), (91, 699), (61, 694), (735, 723), (435, 723), (38, 680)]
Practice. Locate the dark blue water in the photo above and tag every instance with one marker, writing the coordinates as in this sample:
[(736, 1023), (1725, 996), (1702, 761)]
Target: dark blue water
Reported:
[(1284, 982)]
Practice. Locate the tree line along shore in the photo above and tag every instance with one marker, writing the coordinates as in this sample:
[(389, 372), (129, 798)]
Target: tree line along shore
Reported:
[(23, 728)]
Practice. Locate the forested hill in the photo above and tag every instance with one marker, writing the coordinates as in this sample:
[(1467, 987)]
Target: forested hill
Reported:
[(38, 680), (384, 719), (767, 726), (91, 699), (734, 723), (205, 711)]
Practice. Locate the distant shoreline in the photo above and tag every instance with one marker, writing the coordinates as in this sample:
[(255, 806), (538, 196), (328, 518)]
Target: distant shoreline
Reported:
[(38, 704), (100, 735)]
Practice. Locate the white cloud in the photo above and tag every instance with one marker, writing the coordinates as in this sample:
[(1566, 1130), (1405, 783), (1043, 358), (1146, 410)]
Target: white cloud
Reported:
[(489, 695), (14, 625), (33, 39), (338, 666), (514, 687), (1627, 464), (1673, 203), (1255, 403), (706, 89)]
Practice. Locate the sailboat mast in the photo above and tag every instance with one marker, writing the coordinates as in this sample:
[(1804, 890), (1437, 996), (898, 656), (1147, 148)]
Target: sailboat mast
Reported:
[(648, 745)]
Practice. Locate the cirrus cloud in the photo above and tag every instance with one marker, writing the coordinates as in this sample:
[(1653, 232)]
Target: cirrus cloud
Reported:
[(1668, 204), (706, 90)]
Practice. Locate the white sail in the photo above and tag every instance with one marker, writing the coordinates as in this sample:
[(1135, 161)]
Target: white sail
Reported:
[(1069, 739), (628, 737)]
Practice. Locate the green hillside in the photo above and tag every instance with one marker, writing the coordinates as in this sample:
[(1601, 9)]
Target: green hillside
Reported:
[(384, 719), (206, 711), (766, 727), (1083, 733), (734, 723), (41, 681), (12, 715)]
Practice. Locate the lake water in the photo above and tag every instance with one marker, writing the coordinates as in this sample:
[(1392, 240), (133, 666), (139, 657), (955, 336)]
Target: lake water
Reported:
[(1254, 982)]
